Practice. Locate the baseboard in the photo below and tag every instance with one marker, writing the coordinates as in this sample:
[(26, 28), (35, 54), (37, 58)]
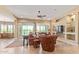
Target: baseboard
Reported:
[(69, 42)]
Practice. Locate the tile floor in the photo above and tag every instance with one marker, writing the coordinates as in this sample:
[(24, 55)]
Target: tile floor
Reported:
[(6, 42), (61, 48)]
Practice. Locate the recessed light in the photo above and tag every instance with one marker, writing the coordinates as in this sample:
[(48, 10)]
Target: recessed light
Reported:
[(21, 16), (72, 13)]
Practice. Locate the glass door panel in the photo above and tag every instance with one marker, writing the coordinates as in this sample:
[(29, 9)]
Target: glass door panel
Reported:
[(26, 29), (10, 28), (42, 28), (30, 28)]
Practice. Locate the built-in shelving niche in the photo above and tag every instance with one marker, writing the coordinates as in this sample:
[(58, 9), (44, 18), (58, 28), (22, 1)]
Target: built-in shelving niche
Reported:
[(70, 27), (70, 36)]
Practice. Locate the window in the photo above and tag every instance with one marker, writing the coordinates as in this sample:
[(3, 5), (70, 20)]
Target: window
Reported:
[(26, 29), (10, 28), (42, 28), (3, 28), (6, 28)]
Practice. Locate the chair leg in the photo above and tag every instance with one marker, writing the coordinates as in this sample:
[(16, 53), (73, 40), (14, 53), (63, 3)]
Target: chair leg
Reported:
[(23, 42), (27, 44)]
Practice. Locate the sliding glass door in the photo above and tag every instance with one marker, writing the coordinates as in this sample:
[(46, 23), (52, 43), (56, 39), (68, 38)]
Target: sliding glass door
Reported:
[(10, 28), (26, 29), (42, 28)]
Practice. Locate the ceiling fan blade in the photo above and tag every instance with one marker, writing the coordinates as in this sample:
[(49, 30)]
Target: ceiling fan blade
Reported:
[(44, 15)]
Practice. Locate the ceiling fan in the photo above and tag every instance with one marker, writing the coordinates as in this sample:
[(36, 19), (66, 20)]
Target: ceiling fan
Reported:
[(40, 16)]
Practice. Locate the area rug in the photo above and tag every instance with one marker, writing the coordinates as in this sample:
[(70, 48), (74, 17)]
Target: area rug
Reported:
[(16, 43)]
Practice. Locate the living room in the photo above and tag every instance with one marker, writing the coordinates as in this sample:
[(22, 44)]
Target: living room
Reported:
[(18, 22)]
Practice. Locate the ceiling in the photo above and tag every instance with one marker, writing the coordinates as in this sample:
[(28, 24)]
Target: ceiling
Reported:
[(5, 14), (31, 11)]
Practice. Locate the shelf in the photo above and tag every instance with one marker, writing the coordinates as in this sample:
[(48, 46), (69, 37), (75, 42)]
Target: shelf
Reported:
[(70, 37), (70, 33), (70, 28)]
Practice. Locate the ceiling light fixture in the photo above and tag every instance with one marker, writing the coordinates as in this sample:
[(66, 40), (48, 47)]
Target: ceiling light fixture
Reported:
[(40, 15)]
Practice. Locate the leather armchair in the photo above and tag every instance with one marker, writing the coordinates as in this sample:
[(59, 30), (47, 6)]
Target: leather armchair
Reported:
[(48, 42), (34, 41), (31, 39)]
